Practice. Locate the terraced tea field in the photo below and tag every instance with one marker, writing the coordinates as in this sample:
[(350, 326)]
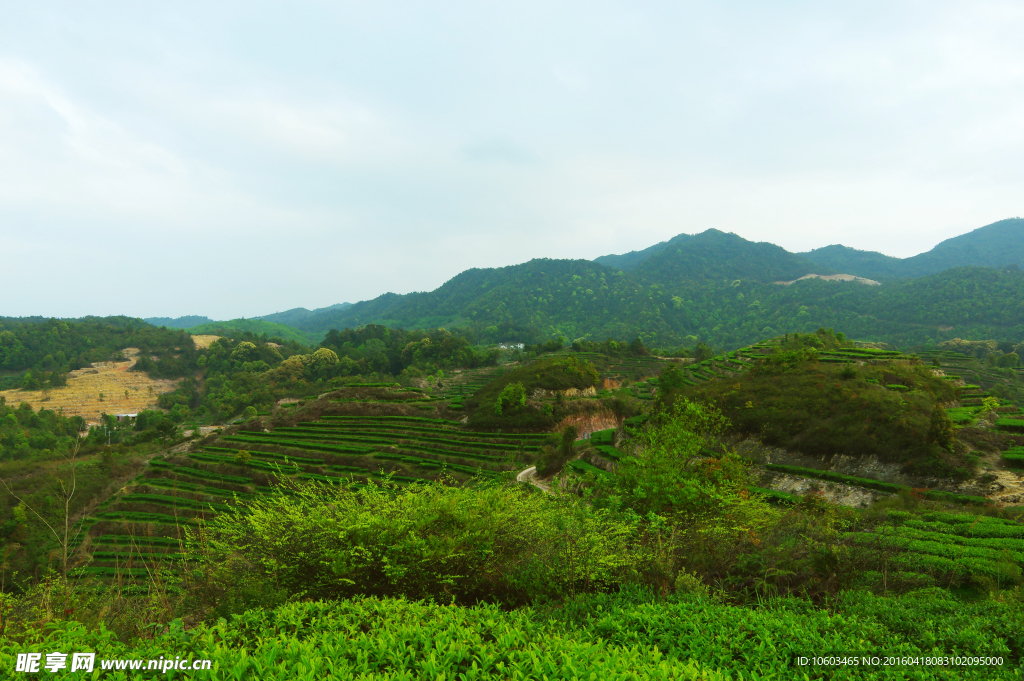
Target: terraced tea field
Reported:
[(1009, 382), (940, 547), (81, 396), (618, 368), (144, 523)]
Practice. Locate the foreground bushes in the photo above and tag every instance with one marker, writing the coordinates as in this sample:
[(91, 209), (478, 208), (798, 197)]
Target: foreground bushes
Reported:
[(628, 635), (500, 544)]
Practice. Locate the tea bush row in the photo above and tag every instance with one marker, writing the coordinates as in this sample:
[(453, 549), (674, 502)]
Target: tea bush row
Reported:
[(176, 502), (313, 443), (1014, 457), (199, 473), (233, 451), (252, 463)]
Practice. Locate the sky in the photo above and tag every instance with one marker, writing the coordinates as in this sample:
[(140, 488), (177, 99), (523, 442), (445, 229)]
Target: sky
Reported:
[(236, 159)]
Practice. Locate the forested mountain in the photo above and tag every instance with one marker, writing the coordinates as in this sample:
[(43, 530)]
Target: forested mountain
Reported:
[(718, 256), (629, 261), (713, 287), (578, 298), (860, 263), (178, 322), (297, 315), (713, 253), (996, 245)]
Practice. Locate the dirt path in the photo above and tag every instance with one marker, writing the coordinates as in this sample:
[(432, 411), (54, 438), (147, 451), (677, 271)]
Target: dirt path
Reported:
[(530, 476)]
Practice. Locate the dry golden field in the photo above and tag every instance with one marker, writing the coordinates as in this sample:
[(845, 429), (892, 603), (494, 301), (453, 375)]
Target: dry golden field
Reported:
[(124, 392), (203, 342)]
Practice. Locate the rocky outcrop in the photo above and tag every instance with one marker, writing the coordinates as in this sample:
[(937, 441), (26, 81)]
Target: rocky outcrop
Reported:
[(540, 393), (858, 466), (833, 277)]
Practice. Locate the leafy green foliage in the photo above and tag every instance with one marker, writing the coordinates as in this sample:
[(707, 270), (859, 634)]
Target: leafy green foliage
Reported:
[(491, 543), (27, 434), (667, 471), (790, 400), (612, 636), (940, 431), (513, 396), (554, 373)]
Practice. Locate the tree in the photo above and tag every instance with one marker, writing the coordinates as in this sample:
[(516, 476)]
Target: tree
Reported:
[(64, 492), (941, 430), (323, 361), (513, 396), (244, 352), (668, 470)]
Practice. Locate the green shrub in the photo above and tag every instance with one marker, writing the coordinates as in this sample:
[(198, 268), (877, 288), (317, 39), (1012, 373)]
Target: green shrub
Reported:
[(436, 542)]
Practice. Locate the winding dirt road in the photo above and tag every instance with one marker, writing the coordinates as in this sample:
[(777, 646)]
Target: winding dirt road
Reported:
[(530, 476)]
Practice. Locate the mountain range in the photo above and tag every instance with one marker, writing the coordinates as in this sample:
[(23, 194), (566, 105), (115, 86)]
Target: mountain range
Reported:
[(720, 288)]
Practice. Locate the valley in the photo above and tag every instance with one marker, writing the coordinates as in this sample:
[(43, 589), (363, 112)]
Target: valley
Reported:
[(680, 444)]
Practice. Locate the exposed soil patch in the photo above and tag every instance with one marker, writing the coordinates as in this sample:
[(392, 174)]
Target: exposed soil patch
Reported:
[(203, 342), (123, 391)]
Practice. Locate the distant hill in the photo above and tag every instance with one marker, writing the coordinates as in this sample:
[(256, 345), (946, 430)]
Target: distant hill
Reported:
[(299, 314), (582, 299), (996, 245), (847, 260), (507, 303), (257, 326), (178, 322), (715, 287)]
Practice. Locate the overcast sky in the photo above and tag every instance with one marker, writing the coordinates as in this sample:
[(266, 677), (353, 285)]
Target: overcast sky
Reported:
[(237, 159)]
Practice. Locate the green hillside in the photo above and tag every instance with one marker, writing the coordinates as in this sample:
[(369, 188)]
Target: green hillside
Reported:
[(997, 245), (576, 298), (819, 395), (712, 287), (295, 315), (368, 531), (868, 264), (258, 327), (717, 256), (629, 261)]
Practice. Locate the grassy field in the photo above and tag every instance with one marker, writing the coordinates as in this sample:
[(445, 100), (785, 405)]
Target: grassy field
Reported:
[(203, 341)]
